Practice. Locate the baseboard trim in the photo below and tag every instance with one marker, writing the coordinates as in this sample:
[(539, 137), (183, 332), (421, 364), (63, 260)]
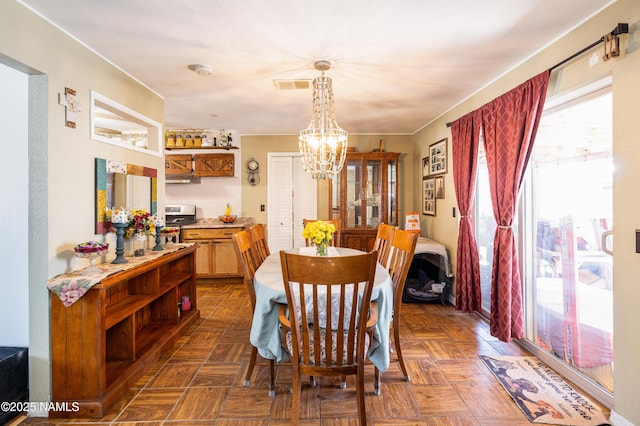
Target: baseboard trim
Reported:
[(617, 420)]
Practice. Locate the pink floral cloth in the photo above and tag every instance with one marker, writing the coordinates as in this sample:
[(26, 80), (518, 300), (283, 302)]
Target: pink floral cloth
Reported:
[(72, 286)]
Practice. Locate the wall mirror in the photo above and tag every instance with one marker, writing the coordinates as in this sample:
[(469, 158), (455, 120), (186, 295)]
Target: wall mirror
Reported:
[(116, 124), (123, 185)]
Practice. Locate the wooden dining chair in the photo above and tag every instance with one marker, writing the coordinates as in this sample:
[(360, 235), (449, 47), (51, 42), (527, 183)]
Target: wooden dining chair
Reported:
[(335, 241), (400, 257), (383, 241), (260, 246), (329, 334), (243, 247)]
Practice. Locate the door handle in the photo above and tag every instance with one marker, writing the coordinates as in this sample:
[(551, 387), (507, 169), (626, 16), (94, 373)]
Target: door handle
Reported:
[(603, 242)]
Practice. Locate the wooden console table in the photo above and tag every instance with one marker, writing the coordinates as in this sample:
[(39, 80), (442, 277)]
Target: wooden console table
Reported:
[(105, 341)]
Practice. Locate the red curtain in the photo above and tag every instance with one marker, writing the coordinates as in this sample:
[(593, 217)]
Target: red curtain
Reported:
[(509, 125), (465, 139)]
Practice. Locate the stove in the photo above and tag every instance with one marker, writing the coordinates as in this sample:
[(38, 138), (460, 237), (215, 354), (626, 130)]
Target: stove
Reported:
[(179, 214)]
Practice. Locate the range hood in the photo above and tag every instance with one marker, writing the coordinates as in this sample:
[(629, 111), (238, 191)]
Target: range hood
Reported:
[(175, 179)]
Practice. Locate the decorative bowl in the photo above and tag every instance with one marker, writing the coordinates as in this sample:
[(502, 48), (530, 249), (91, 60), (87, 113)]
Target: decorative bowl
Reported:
[(170, 230), (91, 250), (89, 254), (90, 247), (229, 219)]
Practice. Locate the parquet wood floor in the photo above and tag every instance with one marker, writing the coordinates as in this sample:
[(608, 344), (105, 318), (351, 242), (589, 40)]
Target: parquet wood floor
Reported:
[(200, 382)]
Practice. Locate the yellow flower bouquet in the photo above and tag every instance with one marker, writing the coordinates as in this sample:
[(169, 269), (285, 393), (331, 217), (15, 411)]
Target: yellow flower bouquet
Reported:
[(319, 233)]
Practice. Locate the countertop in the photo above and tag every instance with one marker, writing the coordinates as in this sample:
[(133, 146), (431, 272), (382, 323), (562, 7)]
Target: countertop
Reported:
[(214, 222)]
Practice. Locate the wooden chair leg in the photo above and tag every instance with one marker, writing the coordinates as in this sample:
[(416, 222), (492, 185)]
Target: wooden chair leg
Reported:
[(272, 378), (376, 382), (252, 364), (295, 398), (362, 415), (396, 340)]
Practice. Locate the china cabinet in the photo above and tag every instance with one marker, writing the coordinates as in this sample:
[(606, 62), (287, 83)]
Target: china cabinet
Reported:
[(363, 195), (106, 340)]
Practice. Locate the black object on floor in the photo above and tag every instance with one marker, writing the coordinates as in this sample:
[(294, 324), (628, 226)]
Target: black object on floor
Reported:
[(14, 379), (426, 269)]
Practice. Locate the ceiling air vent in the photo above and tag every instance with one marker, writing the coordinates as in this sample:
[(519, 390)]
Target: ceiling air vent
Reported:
[(292, 84)]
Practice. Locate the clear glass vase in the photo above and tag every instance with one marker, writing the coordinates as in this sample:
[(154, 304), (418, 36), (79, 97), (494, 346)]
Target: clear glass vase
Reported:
[(139, 244), (321, 249)]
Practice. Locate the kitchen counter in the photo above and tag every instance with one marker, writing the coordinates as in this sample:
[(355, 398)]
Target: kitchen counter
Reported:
[(214, 222), (216, 256)]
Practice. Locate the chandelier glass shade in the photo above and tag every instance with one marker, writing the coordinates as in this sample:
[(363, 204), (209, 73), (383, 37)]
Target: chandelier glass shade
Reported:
[(323, 145)]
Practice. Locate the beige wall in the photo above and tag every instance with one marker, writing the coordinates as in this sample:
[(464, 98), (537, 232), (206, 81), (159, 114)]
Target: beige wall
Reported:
[(626, 191), (258, 146), (31, 45)]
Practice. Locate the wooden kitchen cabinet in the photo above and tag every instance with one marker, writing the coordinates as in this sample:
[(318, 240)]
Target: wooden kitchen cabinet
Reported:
[(213, 165), (216, 257), (203, 260), (104, 342), (363, 195), (200, 165), (178, 164)]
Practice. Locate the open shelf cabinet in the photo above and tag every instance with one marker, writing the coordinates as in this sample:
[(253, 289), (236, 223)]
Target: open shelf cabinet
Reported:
[(106, 340)]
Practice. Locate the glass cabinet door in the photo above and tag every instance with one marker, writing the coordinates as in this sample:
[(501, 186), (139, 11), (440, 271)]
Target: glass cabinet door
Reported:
[(335, 198), (392, 197), (365, 193), (373, 190), (353, 194)]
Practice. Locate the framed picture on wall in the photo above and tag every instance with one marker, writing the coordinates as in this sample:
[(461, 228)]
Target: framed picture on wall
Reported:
[(439, 183), (425, 167), (429, 197), (438, 157)]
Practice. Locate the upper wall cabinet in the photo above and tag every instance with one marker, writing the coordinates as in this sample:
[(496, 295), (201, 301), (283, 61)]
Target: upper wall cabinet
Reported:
[(213, 165), (118, 125), (178, 164), (200, 165)]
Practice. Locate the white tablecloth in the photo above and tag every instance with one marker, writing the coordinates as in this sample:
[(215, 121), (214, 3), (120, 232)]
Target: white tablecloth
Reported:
[(269, 287)]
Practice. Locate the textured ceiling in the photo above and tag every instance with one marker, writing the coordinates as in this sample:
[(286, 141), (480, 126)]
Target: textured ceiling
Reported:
[(395, 65)]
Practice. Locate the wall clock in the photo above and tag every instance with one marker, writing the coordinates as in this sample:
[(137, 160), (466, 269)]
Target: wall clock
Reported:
[(254, 172), (253, 165)]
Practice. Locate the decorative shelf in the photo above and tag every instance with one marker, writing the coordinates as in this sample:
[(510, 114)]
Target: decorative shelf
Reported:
[(127, 321), (226, 148)]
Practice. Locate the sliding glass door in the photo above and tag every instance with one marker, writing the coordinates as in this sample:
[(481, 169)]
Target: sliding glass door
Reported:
[(570, 212), (563, 231)]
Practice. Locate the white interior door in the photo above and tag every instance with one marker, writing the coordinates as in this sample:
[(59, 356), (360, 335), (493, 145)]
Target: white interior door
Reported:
[(305, 200), (291, 196)]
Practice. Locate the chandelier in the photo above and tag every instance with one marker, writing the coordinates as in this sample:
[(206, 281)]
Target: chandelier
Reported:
[(323, 145)]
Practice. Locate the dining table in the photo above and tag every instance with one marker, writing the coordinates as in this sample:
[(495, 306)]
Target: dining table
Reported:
[(268, 282)]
